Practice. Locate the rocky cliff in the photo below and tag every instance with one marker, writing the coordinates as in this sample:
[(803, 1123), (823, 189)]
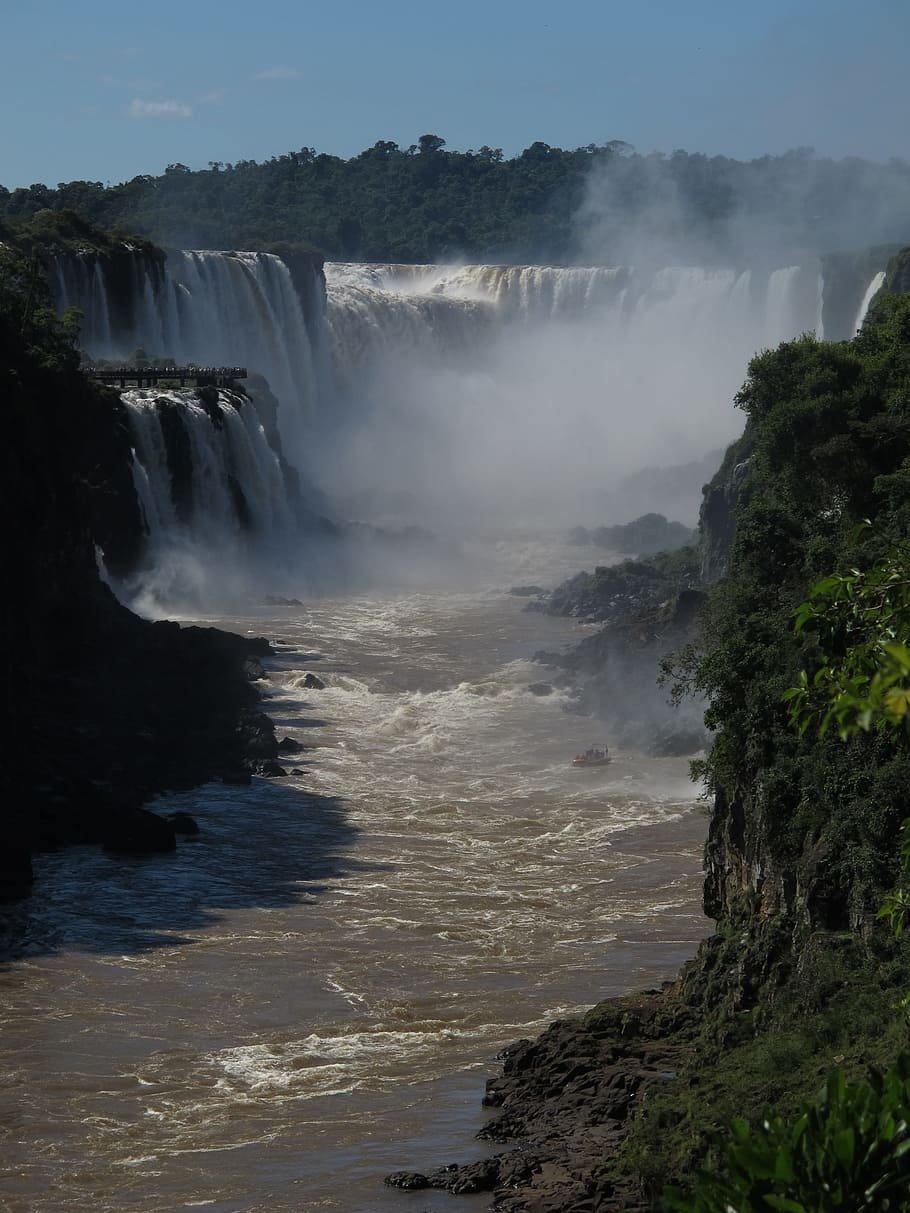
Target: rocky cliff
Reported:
[(102, 708), (799, 975)]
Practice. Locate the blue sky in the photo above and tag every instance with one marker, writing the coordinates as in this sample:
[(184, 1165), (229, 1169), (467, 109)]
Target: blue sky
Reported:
[(103, 91)]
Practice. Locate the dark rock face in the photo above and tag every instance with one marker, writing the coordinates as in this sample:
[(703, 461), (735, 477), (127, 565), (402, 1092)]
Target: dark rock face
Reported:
[(109, 708), (312, 683), (287, 745), (898, 273), (179, 457), (540, 688), (717, 520)]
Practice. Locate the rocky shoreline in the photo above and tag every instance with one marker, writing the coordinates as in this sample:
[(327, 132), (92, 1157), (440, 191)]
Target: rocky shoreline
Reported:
[(114, 710), (564, 1101)]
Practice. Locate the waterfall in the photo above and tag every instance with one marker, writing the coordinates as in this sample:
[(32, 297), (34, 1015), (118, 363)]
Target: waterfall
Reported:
[(541, 385), (793, 304), (871, 291), (446, 395), (209, 308), (213, 494)]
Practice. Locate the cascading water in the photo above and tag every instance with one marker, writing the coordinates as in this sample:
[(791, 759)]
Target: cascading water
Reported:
[(450, 396), (573, 378), (211, 308), (212, 492), (871, 291)]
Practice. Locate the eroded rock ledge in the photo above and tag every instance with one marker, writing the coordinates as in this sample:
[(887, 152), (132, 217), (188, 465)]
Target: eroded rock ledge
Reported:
[(564, 1104)]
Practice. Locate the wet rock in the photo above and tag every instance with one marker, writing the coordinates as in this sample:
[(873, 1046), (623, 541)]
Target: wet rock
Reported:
[(540, 688), (277, 600), (287, 745), (407, 1181), (184, 823), (16, 874), (565, 1101), (257, 736), (270, 769), (311, 682), (480, 1176), (238, 778), (139, 832)]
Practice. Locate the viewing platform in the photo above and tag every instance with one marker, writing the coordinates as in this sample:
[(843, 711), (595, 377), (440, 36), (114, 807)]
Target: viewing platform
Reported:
[(151, 376)]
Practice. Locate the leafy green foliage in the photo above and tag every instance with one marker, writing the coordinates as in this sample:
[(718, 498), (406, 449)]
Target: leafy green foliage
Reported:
[(827, 445), (850, 1150), (426, 202), (861, 679), (860, 621), (31, 333)]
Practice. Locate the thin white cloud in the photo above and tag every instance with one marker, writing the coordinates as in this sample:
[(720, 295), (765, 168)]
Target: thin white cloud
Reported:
[(278, 73), (124, 82), (159, 109), (215, 97)]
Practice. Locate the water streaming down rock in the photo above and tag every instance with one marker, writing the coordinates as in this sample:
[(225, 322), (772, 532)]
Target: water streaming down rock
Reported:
[(871, 291), (208, 308), (446, 388), (213, 492)]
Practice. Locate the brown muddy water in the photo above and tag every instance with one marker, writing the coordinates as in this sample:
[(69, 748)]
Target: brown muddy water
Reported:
[(313, 993)]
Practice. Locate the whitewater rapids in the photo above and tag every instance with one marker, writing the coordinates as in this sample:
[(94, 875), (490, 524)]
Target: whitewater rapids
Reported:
[(312, 994)]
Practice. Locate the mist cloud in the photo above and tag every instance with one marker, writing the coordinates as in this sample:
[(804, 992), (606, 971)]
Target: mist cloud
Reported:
[(687, 209)]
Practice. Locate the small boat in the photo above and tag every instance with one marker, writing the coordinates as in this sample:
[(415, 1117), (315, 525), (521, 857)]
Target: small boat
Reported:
[(595, 756)]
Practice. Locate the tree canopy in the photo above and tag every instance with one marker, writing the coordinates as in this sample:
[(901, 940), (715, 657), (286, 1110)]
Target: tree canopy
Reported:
[(427, 202)]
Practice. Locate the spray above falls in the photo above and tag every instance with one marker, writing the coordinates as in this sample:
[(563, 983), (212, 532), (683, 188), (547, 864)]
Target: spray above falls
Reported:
[(459, 398)]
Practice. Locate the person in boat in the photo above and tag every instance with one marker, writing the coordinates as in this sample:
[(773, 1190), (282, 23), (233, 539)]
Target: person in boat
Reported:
[(593, 753)]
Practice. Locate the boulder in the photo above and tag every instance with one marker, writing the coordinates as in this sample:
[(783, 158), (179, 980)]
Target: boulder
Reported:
[(139, 832), (183, 823), (270, 769), (238, 778), (313, 683), (408, 1181), (540, 688), (287, 745)]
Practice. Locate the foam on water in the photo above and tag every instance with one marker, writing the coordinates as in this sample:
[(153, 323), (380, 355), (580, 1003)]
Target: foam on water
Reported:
[(296, 989)]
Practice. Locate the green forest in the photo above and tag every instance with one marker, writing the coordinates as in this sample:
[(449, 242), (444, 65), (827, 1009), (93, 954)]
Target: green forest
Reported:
[(804, 850), (425, 202)]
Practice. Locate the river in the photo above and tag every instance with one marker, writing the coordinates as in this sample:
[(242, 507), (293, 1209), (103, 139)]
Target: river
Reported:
[(313, 992)]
